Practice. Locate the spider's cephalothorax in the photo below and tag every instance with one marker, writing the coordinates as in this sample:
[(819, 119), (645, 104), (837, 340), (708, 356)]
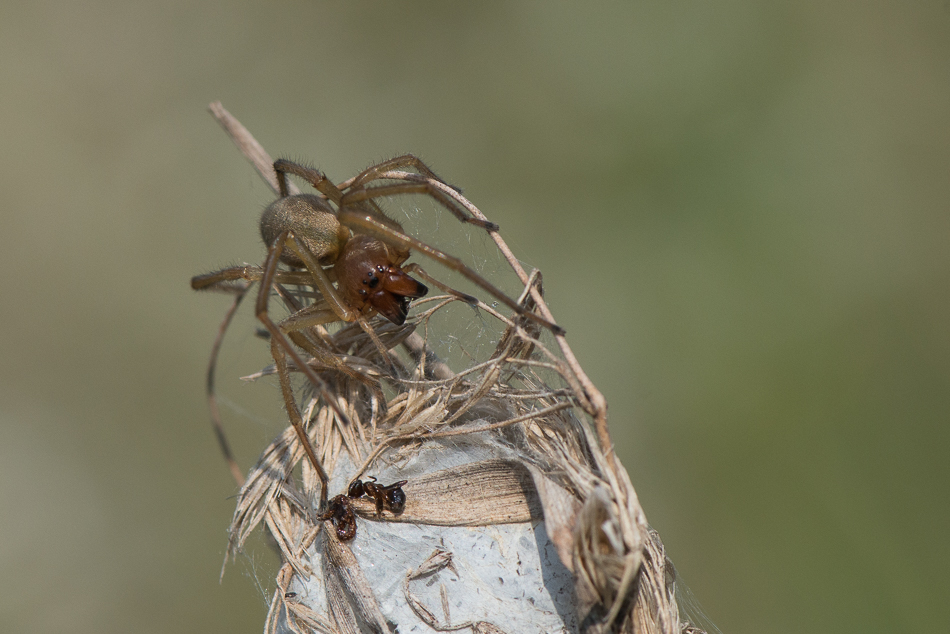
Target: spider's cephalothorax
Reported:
[(370, 279)]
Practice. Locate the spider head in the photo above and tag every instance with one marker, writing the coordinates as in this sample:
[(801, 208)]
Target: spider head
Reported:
[(370, 278)]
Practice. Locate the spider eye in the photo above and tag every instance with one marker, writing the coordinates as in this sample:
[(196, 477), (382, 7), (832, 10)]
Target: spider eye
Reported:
[(373, 281)]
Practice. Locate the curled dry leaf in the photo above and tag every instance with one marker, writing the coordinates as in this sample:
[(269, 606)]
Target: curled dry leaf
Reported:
[(474, 494)]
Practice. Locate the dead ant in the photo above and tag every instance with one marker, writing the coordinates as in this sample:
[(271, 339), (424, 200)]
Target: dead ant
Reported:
[(391, 496), (340, 511), (343, 236)]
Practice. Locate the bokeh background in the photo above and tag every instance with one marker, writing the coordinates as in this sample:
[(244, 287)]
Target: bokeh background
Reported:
[(741, 212)]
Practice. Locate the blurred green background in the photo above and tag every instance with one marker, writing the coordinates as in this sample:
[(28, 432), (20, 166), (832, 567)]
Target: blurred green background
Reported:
[(741, 212)]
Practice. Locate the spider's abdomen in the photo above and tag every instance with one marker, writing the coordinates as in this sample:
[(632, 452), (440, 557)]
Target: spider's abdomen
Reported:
[(312, 221)]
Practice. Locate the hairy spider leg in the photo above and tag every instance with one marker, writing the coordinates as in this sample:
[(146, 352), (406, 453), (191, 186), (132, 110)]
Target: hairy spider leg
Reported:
[(295, 324), (216, 421), (434, 189), (424, 180), (373, 172), (225, 279), (281, 348)]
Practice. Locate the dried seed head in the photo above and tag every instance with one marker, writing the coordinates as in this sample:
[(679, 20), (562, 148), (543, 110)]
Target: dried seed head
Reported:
[(504, 467)]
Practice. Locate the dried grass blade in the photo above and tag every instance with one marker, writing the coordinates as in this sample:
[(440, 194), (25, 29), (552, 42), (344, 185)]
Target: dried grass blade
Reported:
[(475, 494)]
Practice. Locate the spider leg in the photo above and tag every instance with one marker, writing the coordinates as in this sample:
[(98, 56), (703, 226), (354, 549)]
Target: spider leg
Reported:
[(374, 172), (412, 267), (216, 422), (313, 176), (417, 184), (371, 226), (313, 336), (297, 326), (301, 319), (283, 374), (282, 348), (380, 346), (320, 279), (224, 279), (308, 317)]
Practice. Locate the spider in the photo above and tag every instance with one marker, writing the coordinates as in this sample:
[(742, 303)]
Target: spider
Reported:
[(342, 236), (391, 496)]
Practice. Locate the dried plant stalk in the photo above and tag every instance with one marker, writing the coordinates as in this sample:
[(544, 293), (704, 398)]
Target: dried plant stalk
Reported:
[(519, 517)]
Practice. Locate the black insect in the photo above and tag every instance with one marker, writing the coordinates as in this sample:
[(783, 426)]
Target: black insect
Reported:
[(390, 497), (341, 513)]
